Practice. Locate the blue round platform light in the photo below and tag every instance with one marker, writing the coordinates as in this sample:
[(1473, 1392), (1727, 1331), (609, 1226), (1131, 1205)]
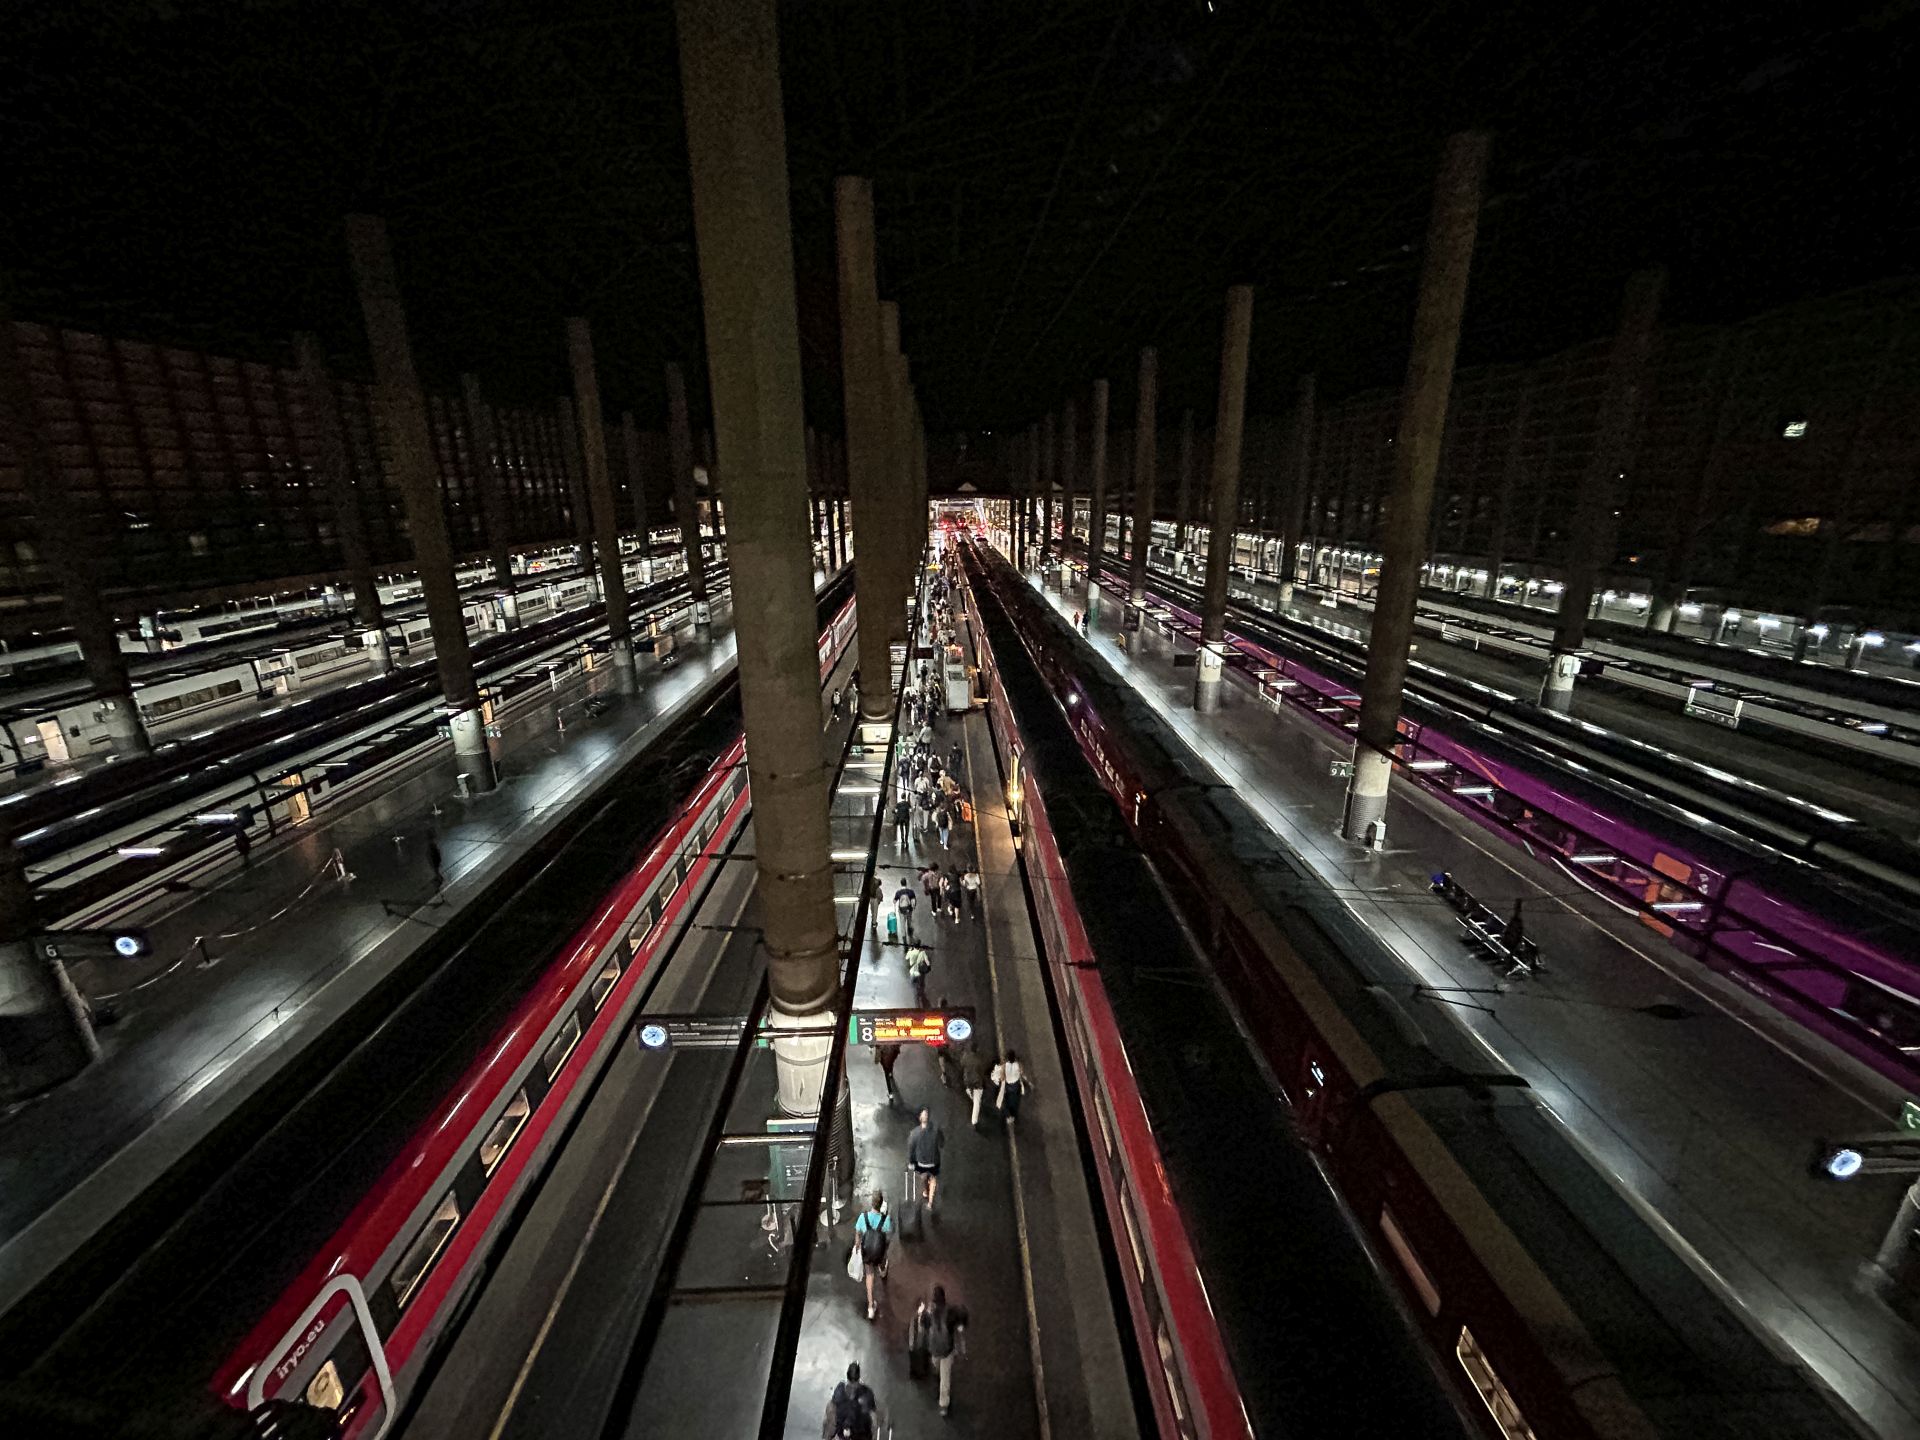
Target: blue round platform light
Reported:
[(1843, 1164), (654, 1037), (127, 945), (959, 1028)]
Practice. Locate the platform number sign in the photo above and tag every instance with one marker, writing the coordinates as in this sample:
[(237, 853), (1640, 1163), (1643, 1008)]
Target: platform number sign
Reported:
[(1910, 1114), (126, 943)]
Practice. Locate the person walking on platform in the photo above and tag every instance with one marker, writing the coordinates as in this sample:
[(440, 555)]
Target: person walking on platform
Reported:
[(873, 1233), (852, 1411), (956, 758), (923, 1159), (918, 964), (876, 902), (886, 1057), (433, 864), (903, 901), (970, 882), (950, 893), (975, 1071), (836, 703), (943, 823), (903, 823), (939, 1329), (1011, 1081)]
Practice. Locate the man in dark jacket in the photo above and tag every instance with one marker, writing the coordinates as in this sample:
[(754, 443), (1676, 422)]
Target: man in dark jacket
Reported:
[(851, 1412)]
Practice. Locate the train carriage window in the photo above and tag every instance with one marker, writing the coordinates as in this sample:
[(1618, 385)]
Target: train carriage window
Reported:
[(324, 1391), (642, 927), (603, 982), (505, 1130), (425, 1249), (1397, 1242), (561, 1047), (1506, 1413)]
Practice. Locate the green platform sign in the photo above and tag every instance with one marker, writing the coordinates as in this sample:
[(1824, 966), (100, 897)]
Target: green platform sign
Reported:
[(1910, 1115)]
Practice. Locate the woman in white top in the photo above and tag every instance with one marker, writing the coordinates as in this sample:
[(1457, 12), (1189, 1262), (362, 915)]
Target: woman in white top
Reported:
[(1010, 1083)]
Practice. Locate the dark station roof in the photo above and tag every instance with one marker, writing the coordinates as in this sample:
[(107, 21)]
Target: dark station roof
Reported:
[(1057, 182)]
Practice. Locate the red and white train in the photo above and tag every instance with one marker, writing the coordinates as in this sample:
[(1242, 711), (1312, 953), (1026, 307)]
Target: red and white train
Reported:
[(354, 1332)]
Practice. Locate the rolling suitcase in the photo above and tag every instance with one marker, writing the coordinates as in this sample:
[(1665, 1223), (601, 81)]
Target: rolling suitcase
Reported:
[(909, 1222)]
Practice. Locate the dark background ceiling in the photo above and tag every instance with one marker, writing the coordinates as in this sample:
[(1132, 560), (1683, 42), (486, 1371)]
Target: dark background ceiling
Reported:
[(1058, 181)]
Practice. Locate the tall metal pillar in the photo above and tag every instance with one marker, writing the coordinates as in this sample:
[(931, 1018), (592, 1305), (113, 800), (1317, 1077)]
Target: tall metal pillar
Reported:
[(1183, 514), (397, 389), (68, 549), (1416, 457), (1594, 529), (599, 483), (1299, 479), (1049, 457), (1097, 493), (1146, 466), (575, 465), (493, 501), (686, 509), (736, 144), (1236, 337), (349, 523)]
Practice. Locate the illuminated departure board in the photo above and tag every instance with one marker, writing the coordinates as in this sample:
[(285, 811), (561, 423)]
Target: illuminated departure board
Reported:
[(912, 1027)]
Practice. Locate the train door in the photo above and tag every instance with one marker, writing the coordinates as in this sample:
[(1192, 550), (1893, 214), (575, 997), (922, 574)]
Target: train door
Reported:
[(332, 1359), (54, 738), (299, 807)]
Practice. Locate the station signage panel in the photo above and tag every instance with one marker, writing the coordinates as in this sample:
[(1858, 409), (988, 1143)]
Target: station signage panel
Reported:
[(912, 1027)]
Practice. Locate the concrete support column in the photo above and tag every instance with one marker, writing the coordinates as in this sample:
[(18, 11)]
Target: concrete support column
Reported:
[(606, 519), (736, 145), (350, 524), (1097, 491), (1509, 481), (1069, 476), (1236, 337), (46, 1035), (864, 387), (577, 498), (686, 509), (493, 498), (1594, 527), (1183, 512), (68, 547), (1451, 229), (636, 487), (1676, 565), (899, 554), (404, 410), (1049, 458), (1299, 479), (1146, 466)]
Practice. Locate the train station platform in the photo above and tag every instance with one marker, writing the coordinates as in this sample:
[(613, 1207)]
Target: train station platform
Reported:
[(609, 1316), (251, 966), (1011, 1235), (1702, 1105), (1884, 795)]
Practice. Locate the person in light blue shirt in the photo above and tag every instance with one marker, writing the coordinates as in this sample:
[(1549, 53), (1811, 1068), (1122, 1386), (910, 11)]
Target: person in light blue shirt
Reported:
[(873, 1233)]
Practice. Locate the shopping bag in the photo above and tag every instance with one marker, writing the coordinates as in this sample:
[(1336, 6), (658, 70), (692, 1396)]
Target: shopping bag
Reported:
[(856, 1267)]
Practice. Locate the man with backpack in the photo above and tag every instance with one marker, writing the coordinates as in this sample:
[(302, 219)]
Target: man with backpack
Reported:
[(852, 1411), (903, 903), (873, 1233)]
